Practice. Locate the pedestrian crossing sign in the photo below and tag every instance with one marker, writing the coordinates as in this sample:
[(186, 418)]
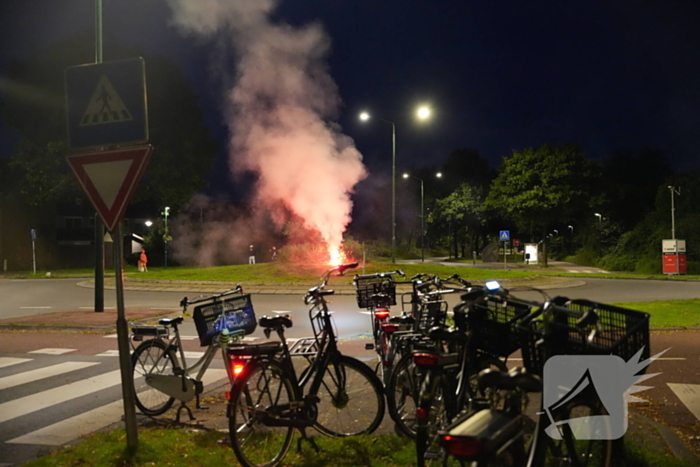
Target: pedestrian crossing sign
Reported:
[(504, 236), (105, 106)]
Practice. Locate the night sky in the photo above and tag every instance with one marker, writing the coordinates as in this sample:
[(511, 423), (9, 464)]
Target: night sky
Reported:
[(499, 75)]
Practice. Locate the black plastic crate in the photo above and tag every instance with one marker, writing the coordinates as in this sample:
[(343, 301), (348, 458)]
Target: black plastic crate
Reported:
[(493, 325), (429, 314), (367, 287), (621, 332), (237, 311)]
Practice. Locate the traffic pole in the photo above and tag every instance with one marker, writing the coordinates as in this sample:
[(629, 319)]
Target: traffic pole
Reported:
[(123, 342)]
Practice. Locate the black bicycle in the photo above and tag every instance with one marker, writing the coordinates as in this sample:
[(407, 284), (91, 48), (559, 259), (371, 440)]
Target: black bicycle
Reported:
[(336, 394), (574, 430)]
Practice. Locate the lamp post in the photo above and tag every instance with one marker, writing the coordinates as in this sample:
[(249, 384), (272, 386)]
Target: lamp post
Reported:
[(422, 113), (600, 219), (572, 229), (165, 234), (422, 218), (676, 191)]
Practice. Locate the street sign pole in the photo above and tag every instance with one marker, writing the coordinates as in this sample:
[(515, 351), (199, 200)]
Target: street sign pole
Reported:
[(123, 345)]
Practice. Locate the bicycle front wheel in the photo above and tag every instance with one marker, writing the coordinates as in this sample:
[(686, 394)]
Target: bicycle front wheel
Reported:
[(263, 390), (151, 358), (351, 399)]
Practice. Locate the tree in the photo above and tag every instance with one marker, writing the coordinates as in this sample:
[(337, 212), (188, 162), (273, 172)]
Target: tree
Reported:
[(538, 188), (464, 165), (462, 215), (35, 107)]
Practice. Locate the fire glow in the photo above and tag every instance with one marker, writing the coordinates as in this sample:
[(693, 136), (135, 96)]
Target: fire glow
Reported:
[(337, 256)]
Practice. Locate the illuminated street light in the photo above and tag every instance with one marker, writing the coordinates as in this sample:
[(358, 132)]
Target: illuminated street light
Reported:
[(423, 113), (438, 175), (148, 223), (600, 219), (572, 229), (557, 232)]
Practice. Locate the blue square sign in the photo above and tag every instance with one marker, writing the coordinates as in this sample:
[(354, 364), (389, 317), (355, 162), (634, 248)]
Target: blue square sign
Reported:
[(504, 236), (106, 104)]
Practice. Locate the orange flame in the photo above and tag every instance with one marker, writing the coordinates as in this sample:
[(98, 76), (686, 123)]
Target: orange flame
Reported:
[(337, 256)]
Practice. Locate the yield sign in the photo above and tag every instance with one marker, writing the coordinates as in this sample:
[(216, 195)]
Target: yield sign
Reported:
[(109, 179)]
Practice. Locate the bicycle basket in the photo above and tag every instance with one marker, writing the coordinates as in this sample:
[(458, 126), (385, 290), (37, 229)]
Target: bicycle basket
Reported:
[(237, 312), (620, 332), (429, 314), (366, 287), (492, 325)]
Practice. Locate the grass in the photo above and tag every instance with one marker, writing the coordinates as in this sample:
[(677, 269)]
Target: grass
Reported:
[(668, 313), (180, 447)]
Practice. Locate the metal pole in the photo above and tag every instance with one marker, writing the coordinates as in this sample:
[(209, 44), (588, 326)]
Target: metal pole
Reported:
[(165, 239), (99, 226), (673, 215), (34, 256), (123, 343), (422, 225), (393, 192)]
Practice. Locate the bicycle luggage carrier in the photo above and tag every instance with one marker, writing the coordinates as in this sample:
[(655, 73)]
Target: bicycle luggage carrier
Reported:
[(306, 347), (237, 311), (493, 325), (366, 287), (619, 331)]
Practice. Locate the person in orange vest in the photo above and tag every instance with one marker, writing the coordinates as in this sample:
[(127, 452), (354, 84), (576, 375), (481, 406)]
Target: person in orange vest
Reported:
[(143, 261)]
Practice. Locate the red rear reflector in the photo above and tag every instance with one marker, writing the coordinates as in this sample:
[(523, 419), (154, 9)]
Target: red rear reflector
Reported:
[(463, 447), (228, 395), (425, 359), (389, 327), (421, 414), (382, 314)]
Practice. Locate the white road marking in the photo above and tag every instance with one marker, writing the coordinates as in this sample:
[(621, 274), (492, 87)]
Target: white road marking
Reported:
[(25, 405), (72, 428), (279, 312), (34, 307), (188, 355), (53, 351), (9, 361), (689, 394), (41, 373)]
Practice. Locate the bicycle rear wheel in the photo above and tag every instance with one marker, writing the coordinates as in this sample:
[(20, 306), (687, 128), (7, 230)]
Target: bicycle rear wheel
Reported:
[(434, 416), (151, 357), (573, 425), (402, 395), (254, 443), (351, 400)]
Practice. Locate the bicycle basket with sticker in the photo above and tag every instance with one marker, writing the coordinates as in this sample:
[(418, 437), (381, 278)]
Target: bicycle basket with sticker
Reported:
[(232, 313)]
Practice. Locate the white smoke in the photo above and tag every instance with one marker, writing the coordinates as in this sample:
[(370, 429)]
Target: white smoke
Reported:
[(281, 110)]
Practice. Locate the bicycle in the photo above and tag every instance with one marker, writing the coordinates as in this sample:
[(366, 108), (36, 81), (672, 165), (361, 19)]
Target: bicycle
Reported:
[(336, 394), (159, 366), (496, 435), (377, 294)]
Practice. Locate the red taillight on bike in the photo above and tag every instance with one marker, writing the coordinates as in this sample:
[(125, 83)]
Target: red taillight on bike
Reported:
[(459, 446), (382, 313), (421, 414), (228, 395), (425, 359), (237, 367), (389, 327)]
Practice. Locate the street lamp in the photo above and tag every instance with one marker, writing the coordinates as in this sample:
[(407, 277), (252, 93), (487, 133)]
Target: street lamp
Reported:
[(600, 219), (148, 223), (673, 210), (557, 232), (422, 113), (165, 234), (572, 229)]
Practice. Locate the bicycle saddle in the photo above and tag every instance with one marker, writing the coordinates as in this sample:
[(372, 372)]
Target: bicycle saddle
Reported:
[(517, 377), (168, 322), (275, 322)]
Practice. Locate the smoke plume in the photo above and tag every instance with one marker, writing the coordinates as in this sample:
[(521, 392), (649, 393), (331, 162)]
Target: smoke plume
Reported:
[(281, 110)]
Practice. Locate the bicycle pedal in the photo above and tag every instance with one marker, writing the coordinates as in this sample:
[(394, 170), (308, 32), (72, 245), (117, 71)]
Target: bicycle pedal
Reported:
[(369, 346)]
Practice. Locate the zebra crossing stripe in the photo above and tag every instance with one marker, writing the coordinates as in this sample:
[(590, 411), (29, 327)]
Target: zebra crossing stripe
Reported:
[(41, 373), (35, 402), (9, 361), (67, 430)]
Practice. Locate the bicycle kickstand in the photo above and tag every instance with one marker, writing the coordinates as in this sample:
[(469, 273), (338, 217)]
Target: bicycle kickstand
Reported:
[(189, 412), (309, 439)]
